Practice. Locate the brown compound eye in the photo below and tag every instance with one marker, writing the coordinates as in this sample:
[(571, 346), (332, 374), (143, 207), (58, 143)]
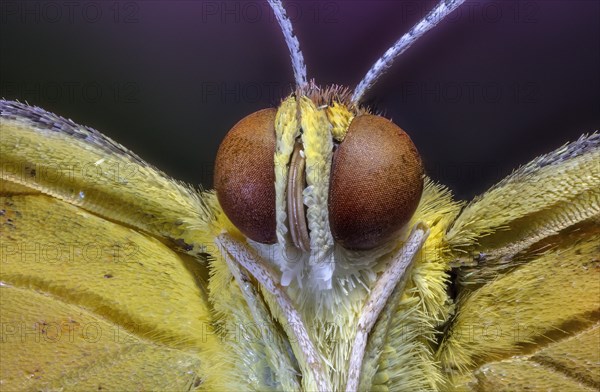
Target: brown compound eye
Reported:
[(245, 176), (375, 185)]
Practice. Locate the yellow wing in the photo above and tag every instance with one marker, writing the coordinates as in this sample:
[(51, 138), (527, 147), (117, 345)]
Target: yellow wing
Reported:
[(81, 166), (90, 304), (96, 291), (528, 303)]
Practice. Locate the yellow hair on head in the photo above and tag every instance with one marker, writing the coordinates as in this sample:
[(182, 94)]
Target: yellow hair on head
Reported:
[(340, 118), (287, 129)]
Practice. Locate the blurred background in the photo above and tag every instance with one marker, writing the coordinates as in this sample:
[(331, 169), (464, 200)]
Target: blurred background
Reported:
[(495, 85)]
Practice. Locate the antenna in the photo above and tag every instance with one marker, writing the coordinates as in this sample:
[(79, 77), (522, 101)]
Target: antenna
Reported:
[(291, 41), (442, 10)]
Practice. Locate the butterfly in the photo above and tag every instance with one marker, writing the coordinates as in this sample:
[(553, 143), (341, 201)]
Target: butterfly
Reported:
[(115, 276)]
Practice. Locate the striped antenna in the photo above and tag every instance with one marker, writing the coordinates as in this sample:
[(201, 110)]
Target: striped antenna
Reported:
[(291, 41), (442, 10)]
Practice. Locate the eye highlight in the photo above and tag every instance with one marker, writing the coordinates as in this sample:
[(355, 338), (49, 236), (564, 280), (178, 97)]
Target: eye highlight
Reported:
[(244, 176), (375, 185)]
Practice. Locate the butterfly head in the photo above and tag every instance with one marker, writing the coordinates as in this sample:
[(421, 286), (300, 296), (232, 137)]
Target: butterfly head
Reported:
[(318, 172), (322, 174)]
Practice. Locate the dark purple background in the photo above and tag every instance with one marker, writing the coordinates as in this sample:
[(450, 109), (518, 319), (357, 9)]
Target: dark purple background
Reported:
[(500, 83)]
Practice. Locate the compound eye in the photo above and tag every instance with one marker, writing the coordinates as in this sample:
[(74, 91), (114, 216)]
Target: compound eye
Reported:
[(245, 176), (375, 185)]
